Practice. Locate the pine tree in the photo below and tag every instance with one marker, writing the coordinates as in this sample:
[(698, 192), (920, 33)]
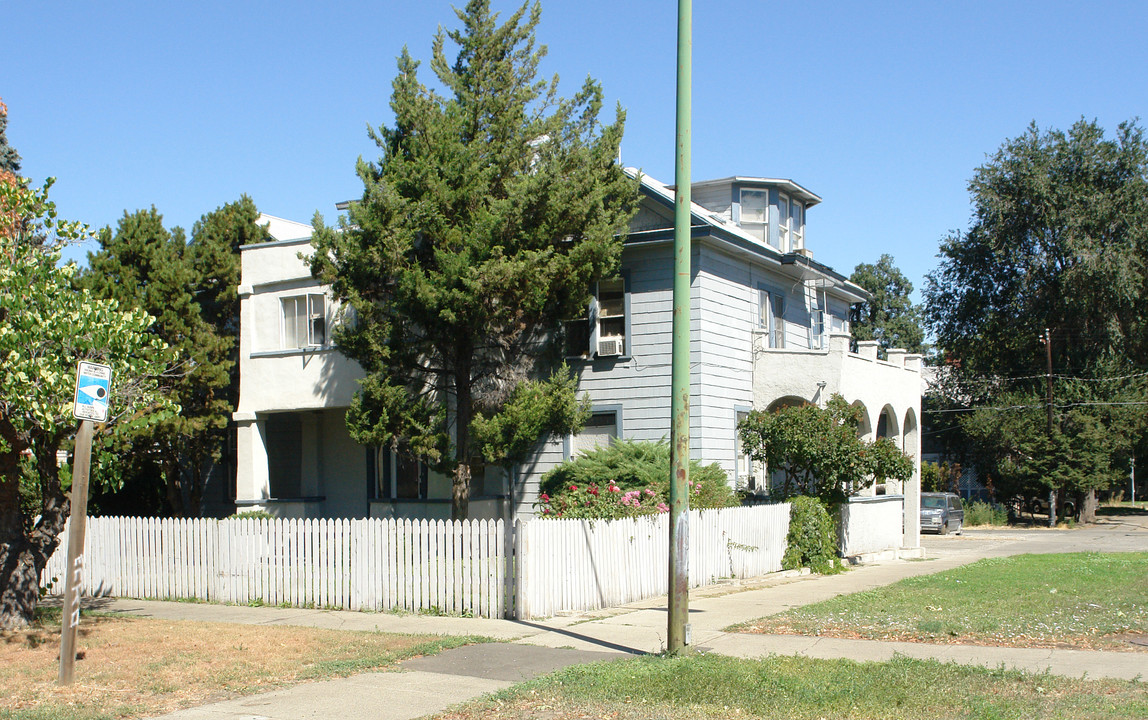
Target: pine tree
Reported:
[(490, 214), (889, 317), (191, 290), (9, 159)]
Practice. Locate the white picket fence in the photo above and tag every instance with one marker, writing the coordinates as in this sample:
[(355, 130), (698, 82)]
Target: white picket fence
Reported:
[(469, 567), (376, 564), (574, 565)]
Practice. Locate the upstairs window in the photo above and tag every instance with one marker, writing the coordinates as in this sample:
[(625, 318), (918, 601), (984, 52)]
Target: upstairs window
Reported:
[(605, 329), (304, 321), (783, 222), (817, 322), (611, 318), (755, 213), (771, 317), (796, 225)]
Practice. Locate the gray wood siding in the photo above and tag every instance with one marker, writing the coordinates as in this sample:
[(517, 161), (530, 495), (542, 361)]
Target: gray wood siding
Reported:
[(649, 218), (717, 199), (724, 375)]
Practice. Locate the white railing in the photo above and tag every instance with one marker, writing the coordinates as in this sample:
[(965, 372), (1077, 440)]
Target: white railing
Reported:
[(414, 565), (574, 565), (419, 565)]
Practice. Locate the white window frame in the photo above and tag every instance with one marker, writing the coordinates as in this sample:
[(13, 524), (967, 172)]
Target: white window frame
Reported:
[(606, 323), (797, 225), (742, 463), (771, 317), (817, 321), (312, 323), (783, 235), (755, 227), (613, 411)]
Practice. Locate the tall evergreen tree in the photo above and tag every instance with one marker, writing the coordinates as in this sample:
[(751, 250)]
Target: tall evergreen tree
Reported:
[(9, 159), (490, 214), (191, 290), (890, 317)]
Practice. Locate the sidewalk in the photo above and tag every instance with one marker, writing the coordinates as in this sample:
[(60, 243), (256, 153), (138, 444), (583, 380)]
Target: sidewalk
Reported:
[(431, 684)]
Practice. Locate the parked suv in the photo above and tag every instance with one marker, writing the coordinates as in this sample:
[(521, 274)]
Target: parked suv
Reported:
[(942, 512)]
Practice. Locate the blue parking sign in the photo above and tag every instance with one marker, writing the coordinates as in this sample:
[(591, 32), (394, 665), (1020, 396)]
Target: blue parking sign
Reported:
[(93, 384)]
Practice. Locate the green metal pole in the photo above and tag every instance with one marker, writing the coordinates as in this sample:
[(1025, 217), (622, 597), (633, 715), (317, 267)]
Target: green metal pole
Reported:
[(678, 632)]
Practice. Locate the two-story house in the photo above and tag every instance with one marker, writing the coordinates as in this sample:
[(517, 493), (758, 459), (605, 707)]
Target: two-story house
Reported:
[(769, 326)]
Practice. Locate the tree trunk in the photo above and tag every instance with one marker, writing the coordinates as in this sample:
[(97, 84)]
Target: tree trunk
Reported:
[(1088, 507), (23, 556), (460, 490), (19, 584)]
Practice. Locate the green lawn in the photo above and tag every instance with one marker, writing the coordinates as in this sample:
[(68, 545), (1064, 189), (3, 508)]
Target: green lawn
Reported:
[(1084, 600), (713, 686)]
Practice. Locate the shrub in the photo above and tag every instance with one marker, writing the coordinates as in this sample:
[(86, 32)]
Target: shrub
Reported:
[(983, 513), (624, 479), (252, 515), (812, 538)]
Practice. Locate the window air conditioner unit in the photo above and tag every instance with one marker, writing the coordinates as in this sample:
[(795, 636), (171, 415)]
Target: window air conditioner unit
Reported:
[(611, 346)]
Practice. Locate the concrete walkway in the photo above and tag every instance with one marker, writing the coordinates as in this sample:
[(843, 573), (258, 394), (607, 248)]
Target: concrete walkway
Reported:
[(431, 684)]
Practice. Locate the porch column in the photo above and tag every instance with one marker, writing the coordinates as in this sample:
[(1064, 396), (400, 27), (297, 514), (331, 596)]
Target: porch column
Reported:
[(251, 477)]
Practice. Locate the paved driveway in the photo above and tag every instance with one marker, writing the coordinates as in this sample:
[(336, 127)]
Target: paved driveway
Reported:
[(1126, 533)]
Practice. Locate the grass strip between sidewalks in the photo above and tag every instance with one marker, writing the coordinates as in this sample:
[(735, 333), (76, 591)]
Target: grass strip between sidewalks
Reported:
[(793, 688), (1090, 601), (137, 667)]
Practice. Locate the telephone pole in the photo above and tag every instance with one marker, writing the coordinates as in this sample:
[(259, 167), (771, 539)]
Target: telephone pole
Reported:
[(1048, 377), (678, 629)]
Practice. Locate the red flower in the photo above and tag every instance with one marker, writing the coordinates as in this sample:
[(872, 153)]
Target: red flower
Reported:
[(544, 498), (593, 490), (573, 487)]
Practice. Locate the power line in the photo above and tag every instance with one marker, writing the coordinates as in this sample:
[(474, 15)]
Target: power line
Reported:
[(1034, 407)]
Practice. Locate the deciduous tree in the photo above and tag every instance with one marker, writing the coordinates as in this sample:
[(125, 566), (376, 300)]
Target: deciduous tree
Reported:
[(819, 451), (492, 211), (46, 327), (1058, 241)]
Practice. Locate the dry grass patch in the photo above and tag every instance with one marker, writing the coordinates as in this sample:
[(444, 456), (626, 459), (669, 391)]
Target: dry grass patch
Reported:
[(133, 667)]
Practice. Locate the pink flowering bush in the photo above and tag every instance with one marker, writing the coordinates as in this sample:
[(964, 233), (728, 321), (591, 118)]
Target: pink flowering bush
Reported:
[(592, 501), (626, 479)]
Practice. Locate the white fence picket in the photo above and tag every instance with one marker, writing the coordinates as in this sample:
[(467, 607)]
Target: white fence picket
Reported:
[(458, 567)]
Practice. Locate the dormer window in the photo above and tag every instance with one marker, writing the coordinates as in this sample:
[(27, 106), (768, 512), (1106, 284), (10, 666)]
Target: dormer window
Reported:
[(791, 223), (755, 213), (783, 222), (797, 225)]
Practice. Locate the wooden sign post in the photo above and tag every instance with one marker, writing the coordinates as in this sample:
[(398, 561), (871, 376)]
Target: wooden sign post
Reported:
[(70, 614), (93, 385)]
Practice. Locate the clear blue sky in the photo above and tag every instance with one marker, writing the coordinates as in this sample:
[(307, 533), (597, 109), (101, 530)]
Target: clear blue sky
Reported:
[(883, 109)]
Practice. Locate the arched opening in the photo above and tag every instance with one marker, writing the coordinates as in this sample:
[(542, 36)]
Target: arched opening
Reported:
[(775, 476), (787, 401), (887, 427)]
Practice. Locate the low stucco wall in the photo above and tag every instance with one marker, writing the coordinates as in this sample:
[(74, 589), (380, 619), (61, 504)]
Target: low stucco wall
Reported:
[(871, 524)]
